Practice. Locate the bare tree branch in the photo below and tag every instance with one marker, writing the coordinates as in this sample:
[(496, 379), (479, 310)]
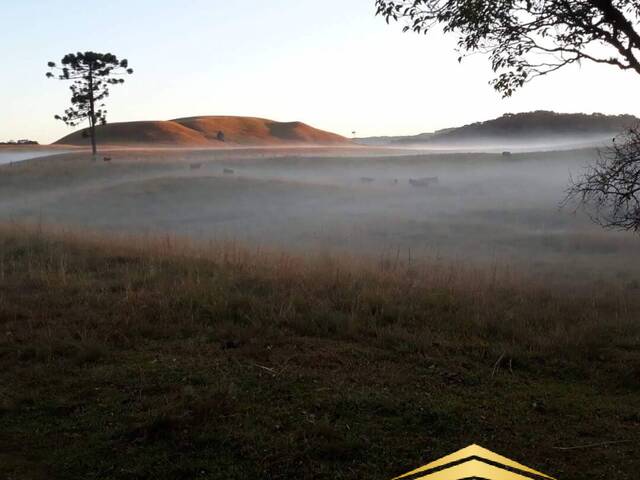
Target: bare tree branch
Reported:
[(609, 190)]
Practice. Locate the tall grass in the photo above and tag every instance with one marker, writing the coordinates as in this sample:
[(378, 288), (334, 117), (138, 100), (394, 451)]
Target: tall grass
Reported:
[(154, 283), (159, 357)]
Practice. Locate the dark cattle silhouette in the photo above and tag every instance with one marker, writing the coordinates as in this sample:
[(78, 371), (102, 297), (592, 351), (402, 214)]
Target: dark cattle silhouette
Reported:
[(228, 171), (367, 179), (195, 166), (107, 159), (424, 182)]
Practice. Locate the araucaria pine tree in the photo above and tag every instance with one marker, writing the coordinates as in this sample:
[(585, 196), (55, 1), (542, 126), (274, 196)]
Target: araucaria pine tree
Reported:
[(91, 75)]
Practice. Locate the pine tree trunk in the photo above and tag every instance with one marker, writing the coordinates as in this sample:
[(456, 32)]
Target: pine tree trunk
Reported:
[(92, 115), (92, 128), (94, 150)]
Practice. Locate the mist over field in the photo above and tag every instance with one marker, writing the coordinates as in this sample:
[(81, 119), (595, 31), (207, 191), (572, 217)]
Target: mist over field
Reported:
[(10, 155), (328, 302), (498, 144), (482, 209)]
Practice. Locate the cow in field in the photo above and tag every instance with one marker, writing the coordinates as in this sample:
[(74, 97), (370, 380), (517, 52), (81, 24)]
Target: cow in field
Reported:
[(424, 181), (195, 166), (228, 171)]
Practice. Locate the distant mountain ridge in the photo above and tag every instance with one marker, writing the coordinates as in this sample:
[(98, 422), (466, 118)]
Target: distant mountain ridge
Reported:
[(519, 127), (208, 131)]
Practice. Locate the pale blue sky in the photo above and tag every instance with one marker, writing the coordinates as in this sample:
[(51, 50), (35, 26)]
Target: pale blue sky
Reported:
[(329, 63)]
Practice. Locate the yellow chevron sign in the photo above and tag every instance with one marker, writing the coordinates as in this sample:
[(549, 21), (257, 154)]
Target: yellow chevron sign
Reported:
[(474, 462)]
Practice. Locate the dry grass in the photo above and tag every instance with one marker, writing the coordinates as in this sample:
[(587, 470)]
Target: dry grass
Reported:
[(422, 302), (197, 360)]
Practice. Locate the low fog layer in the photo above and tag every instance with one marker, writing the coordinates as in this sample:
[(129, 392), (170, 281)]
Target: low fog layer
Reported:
[(510, 144), (17, 154), (470, 208)]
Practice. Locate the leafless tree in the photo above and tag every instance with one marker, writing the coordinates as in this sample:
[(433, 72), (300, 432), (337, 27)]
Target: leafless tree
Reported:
[(609, 190)]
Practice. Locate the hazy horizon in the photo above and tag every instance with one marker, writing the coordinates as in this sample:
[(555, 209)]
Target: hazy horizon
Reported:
[(323, 64)]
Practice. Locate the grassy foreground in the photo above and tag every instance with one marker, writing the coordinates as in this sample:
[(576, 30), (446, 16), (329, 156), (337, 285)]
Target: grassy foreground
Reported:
[(128, 358)]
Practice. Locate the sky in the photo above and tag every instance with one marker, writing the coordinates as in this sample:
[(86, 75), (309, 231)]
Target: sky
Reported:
[(330, 63)]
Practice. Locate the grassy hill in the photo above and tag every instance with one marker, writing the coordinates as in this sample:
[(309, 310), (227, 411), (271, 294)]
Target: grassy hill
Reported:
[(519, 127), (540, 123), (203, 132), (131, 357)]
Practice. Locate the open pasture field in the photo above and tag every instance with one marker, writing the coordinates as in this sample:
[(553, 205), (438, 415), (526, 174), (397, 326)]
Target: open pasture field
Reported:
[(155, 357), (310, 313), (484, 209)]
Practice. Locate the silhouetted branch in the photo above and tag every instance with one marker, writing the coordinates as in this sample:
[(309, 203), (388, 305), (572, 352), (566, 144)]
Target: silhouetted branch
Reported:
[(609, 190), (526, 39)]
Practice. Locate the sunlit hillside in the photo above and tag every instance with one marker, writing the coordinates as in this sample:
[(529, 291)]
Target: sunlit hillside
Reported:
[(208, 132)]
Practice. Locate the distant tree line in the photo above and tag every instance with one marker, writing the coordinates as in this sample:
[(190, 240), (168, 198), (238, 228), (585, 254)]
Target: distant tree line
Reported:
[(546, 120), (20, 142)]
